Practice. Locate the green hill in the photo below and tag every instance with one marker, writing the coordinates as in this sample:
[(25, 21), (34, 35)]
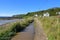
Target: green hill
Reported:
[(51, 11)]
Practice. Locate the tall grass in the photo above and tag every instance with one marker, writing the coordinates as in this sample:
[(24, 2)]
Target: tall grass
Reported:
[(7, 31), (51, 26)]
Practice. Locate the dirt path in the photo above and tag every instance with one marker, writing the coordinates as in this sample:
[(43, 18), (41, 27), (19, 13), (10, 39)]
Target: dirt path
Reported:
[(39, 32), (30, 34), (27, 34)]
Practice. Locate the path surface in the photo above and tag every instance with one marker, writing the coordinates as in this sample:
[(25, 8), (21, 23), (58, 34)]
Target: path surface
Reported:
[(39, 32), (27, 34)]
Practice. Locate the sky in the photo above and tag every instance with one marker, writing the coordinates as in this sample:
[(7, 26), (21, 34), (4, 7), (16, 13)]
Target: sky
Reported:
[(14, 7)]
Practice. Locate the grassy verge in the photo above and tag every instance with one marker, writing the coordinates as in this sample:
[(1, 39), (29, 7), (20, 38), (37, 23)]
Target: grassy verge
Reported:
[(51, 26), (10, 29)]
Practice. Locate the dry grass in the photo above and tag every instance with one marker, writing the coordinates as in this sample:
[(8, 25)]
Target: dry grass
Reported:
[(39, 32), (51, 27)]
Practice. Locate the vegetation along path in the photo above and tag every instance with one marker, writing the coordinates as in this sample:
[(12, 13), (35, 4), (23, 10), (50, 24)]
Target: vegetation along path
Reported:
[(27, 34), (39, 32), (32, 34)]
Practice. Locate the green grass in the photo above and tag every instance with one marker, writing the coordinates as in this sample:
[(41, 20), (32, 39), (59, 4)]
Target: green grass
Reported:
[(7, 31), (51, 26)]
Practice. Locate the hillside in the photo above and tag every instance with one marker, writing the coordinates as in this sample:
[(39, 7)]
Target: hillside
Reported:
[(51, 11)]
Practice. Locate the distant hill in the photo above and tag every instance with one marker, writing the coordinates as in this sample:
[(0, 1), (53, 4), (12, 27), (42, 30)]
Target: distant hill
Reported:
[(19, 16), (51, 11), (7, 18)]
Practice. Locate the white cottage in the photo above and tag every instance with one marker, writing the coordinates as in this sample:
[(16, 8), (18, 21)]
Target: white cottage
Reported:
[(46, 14), (36, 15), (58, 13)]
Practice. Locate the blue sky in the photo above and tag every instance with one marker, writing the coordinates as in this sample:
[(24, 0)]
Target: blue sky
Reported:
[(13, 7)]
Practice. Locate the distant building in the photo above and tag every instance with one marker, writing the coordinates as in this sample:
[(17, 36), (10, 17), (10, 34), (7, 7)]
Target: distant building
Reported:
[(36, 15), (58, 13), (46, 14)]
